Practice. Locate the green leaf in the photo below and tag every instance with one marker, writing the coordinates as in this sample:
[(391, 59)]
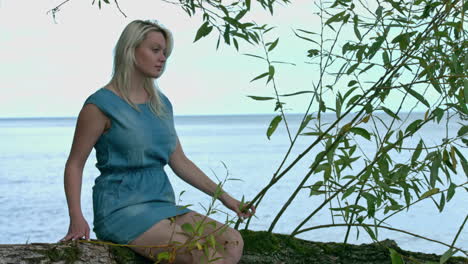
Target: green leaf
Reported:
[(356, 27), (240, 15), (253, 55), (273, 125), (352, 68), (367, 68), (417, 95), (451, 191), (396, 257), (390, 112), (370, 232), (402, 40), (361, 131), (417, 152), (447, 255), (203, 31), (231, 21), (348, 192), (163, 256), (315, 188), (386, 58), (271, 73), (273, 45), (305, 122), (413, 126), (378, 12), (260, 76), (463, 130), (442, 202), (335, 18), (429, 193), (260, 98), (188, 228), (296, 93), (236, 44), (434, 176)]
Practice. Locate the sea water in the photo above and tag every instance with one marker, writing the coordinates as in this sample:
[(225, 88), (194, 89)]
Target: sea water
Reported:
[(33, 153)]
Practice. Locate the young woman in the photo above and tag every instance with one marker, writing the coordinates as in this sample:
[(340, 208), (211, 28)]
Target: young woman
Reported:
[(130, 124)]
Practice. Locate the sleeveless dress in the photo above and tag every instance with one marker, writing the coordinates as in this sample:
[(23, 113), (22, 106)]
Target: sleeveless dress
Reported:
[(132, 192)]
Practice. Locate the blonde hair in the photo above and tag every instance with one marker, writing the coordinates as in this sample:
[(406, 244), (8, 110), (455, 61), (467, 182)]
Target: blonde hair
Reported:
[(124, 62)]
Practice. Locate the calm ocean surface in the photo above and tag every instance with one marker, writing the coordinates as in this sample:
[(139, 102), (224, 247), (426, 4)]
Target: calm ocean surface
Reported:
[(33, 153)]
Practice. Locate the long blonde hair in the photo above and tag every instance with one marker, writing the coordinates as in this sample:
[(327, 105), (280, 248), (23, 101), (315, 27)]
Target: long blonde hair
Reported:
[(124, 62)]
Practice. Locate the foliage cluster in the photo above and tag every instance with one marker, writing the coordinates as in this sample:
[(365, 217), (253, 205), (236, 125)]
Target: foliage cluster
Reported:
[(379, 61)]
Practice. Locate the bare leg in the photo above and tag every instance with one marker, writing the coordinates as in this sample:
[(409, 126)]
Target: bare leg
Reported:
[(169, 233), (230, 239)]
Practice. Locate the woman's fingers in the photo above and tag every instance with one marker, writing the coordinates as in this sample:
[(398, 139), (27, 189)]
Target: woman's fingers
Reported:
[(87, 234)]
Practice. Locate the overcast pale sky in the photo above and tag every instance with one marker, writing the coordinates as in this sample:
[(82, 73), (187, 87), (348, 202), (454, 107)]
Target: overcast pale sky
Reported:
[(48, 69)]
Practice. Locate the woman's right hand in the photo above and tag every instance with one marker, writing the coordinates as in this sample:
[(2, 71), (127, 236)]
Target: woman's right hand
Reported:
[(78, 229)]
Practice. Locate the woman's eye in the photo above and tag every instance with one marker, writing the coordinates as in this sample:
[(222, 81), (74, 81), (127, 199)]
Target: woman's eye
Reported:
[(155, 50)]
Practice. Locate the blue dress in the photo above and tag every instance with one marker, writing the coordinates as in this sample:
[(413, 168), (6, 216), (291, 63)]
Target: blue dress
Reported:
[(133, 192)]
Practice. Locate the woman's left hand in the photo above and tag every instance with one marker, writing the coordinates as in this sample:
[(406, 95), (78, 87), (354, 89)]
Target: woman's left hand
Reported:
[(243, 210)]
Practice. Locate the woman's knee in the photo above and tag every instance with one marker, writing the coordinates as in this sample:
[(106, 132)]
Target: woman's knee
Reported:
[(234, 246)]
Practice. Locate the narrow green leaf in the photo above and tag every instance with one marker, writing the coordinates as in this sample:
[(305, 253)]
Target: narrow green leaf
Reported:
[(247, 4), (188, 228), (348, 192), (356, 27), (271, 73), (273, 45), (240, 15), (368, 67), (253, 55), (417, 152), (378, 12), (163, 256), (361, 131), (305, 122), (429, 193), (447, 255), (260, 76), (442, 202), (462, 131), (236, 45), (296, 93), (203, 31), (395, 257), (390, 112), (413, 126), (231, 21), (370, 232), (335, 18), (260, 98), (386, 58), (273, 125), (352, 68), (417, 96), (451, 191), (434, 176)]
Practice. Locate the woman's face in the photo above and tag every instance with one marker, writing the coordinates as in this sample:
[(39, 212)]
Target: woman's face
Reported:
[(149, 55)]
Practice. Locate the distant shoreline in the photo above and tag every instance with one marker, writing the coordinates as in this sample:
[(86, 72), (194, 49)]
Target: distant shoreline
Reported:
[(183, 115)]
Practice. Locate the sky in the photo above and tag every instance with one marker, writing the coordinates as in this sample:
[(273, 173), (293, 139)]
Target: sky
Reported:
[(48, 68)]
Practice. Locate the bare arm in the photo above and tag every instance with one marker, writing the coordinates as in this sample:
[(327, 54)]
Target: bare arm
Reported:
[(190, 173), (90, 125)]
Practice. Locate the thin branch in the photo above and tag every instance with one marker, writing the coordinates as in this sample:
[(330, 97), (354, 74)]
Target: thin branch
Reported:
[(385, 227)]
